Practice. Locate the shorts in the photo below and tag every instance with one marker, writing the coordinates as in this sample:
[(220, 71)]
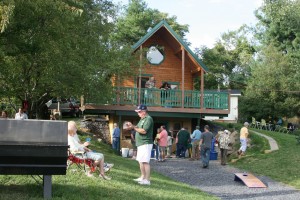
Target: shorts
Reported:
[(162, 148), (94, 156), (144, 153)]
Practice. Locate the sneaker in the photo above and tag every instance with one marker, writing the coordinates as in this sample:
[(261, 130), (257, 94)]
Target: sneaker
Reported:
[(138, 179), (144, 182), (109, 165)]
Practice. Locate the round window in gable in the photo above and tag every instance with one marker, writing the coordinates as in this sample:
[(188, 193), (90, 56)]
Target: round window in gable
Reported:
[(155, 56)]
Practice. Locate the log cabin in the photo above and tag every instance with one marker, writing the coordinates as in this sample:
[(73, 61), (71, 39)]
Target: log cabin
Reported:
[(169, 59)]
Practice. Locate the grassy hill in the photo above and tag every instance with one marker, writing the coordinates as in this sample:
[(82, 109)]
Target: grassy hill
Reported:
[(76, 185), (282, 165)]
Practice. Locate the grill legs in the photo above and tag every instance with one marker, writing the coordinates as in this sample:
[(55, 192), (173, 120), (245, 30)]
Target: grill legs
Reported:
[(47, 185)]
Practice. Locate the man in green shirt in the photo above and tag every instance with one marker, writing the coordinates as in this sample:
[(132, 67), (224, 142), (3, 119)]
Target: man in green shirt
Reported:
[(183, 138), (144, 143)]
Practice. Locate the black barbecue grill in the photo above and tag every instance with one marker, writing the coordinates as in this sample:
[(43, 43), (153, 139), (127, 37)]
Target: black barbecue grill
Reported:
[(34, 147)]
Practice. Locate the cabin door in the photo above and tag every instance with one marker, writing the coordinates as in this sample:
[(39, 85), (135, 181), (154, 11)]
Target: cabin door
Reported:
[(143, 81)]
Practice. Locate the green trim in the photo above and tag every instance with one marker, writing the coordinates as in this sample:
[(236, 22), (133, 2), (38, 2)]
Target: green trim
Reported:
[(172, 82), (168, 27), (148, 35), (153, 114), (146, 75), (160, 114)]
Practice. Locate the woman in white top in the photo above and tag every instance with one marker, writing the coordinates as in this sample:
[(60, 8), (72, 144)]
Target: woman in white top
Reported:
[(74, 143), (21, 115)]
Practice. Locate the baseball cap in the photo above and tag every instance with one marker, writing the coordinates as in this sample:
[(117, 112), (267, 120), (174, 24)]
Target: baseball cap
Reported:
[(226, 131), (141, 107)]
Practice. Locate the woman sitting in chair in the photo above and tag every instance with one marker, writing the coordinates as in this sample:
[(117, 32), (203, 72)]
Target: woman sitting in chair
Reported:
[(76, 146)]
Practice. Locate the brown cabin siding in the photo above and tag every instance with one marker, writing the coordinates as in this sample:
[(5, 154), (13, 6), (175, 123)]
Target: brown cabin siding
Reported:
[(169, 70)]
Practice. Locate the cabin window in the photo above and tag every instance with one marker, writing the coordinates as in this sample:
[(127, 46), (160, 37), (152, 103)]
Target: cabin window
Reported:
[(155, 56), (173, 85)]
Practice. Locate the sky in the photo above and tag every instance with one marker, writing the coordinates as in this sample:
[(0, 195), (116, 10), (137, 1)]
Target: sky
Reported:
[(207, 19)]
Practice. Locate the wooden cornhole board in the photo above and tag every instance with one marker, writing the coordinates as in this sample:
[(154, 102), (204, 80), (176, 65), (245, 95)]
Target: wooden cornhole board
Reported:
[(250, 180)]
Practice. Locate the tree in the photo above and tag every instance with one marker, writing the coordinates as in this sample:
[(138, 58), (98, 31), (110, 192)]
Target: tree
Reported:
[(137, 19), (275, 71), (6, 9), (273, 87), (61, 48), (279, 24), (228, 60), (272, 84)]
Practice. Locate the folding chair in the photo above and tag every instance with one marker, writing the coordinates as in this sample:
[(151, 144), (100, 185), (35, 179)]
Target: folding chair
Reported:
[(80, 160), (255, 124), (263, 124)]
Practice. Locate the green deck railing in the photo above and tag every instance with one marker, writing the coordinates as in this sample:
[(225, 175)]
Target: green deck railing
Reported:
[(170, 98)]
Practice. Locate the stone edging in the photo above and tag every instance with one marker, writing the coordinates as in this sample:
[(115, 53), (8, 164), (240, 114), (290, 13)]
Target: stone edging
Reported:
[(272, 142)]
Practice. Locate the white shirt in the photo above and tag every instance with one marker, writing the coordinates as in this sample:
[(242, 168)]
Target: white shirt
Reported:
[(170, 142), (21, 116), (74, 144)]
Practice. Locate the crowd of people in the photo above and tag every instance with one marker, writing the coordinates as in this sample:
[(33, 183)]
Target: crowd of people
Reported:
[(20, 115), (196, 145)]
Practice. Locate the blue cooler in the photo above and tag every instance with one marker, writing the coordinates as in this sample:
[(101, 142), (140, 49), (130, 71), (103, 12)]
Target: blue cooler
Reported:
[(212, 147), (213, 153)]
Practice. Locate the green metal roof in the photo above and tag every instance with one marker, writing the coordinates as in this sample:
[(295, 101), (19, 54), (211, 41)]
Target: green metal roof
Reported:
[(174, 34)]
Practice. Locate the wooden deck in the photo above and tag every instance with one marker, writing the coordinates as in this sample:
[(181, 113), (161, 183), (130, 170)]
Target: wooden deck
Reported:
[(154, 111), (164, 102)]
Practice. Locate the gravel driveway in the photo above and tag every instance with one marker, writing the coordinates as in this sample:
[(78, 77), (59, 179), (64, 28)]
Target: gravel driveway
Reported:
[(219, 180)]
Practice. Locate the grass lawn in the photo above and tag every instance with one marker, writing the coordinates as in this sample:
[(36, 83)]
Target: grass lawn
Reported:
[(76, 185), (282, 165)]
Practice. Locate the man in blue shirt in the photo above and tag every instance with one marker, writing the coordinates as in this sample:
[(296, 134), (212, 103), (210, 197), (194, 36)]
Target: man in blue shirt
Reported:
[(116, 137), (195, 144)]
